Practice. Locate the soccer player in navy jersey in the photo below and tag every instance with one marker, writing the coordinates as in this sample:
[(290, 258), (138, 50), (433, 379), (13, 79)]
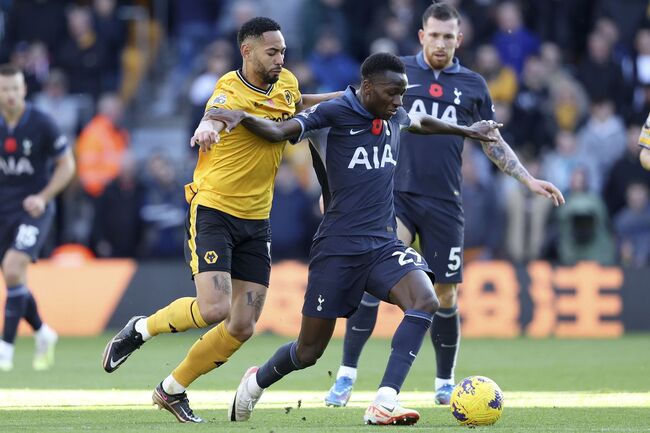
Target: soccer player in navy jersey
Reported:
[(428, 191), (35, 165), (354, 142)]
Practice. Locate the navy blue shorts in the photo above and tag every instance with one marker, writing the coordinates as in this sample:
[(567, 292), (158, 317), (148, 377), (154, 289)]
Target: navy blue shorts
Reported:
[(19, 231), (440, 227), (341, 269)]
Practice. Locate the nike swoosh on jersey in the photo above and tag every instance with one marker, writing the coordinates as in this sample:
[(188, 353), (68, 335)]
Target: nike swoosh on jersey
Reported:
[(410, 86), (450, 274), (353, 132)]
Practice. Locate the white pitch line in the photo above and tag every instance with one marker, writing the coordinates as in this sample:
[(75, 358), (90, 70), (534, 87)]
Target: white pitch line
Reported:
[(12, 399)]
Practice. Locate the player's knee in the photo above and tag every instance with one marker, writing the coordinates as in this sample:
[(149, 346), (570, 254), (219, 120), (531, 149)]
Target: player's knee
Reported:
[(242, 331), (446, 295), (214, 312), (427, 302), (14, 269), (13, 274), (308, 355)]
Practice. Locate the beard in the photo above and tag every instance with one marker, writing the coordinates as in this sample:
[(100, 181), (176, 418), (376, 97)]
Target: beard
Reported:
[(271, 79)]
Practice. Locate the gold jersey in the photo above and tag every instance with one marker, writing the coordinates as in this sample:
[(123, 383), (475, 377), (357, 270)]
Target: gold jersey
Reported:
[(238, 174), (644, 139)]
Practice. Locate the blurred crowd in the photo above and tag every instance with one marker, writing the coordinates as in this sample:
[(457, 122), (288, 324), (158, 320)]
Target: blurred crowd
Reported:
[(570, 80)]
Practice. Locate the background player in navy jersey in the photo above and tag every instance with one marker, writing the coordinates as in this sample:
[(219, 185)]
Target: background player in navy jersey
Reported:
[(428, 191), (35, 165), (355, 142)]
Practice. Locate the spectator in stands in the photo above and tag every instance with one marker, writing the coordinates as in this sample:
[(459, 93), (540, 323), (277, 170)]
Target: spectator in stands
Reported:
[(583, 224), (513, 40), (558, 166), (164, 209), (292, 217), (632, 227), (621, 53), (321, 16), (118, 227), (625, 171), (31, 21), (217, 61), (501, 80), (83, 56), (602, 138), (195, 28), (305, 77), (480, 204), (33, 60), (599, 74), (101, 146), (568, 103), (402, 35), (526, 218), (532, 124), (333, 68), (55, 100), (111, 31)]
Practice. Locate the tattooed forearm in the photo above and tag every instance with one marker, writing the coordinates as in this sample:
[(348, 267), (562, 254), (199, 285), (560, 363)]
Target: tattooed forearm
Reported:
[(222, 283), (504, 157), (256, 299)]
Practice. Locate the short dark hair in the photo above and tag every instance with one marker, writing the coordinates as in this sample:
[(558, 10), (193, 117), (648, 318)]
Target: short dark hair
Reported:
[(440, 11), (255, 28), (8, 70), (381, 62)]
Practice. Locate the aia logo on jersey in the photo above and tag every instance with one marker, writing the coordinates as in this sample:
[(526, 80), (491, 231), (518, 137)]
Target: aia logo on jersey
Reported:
[(10, 145), (435, 90)]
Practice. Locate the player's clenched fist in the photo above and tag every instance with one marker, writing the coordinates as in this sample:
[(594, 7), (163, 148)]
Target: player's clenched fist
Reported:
[(34, 205), (204, 138)]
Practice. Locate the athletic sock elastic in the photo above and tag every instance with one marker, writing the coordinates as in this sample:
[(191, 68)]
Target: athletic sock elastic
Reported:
[(179, 316)]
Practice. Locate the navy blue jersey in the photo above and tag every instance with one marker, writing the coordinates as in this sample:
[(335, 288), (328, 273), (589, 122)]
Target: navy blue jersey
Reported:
[(430, 164), (354, 156), (27, 156)]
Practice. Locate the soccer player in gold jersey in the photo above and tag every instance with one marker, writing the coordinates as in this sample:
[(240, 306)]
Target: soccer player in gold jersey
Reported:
[(228, 230), (644, 142)]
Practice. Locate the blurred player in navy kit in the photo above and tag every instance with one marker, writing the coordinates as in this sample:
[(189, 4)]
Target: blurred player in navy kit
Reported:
[(35, 165), (354, 142), (427, 191)]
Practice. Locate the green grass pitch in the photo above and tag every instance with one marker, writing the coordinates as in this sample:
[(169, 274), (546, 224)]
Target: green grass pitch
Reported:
[(549, 385)]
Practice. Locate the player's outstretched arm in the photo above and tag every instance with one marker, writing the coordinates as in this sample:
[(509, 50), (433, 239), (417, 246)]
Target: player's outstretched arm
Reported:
[(502, 155), (644, 158), (425, 124), (309, 101), (265, 128), (63, 172)]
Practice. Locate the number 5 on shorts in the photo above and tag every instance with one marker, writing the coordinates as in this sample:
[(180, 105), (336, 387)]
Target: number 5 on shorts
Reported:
[(454, 259)]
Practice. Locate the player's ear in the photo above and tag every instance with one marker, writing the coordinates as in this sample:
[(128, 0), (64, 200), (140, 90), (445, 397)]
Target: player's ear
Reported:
[(421, 36), (245, 49), (460, 39), (366, 86)]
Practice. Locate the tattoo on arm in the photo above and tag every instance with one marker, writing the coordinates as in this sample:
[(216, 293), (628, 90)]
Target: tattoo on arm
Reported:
[(505, 158), (256, 300), (222, 283)]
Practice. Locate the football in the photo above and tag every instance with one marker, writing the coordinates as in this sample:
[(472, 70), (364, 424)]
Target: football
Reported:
[(476, 400)]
